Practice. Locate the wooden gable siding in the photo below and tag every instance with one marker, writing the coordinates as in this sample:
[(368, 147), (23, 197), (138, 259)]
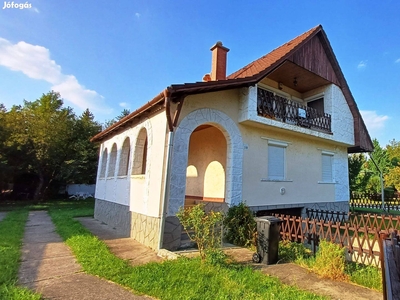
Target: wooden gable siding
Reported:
[(312, 56)]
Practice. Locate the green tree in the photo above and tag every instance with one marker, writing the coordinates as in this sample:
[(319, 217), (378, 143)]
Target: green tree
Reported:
[(82, 166), (392, 178), (358, 176), (46, 140)]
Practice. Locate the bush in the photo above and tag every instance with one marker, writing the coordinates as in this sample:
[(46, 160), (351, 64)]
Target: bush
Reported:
[(293, 252), (207, 227), (330, 261), (240, 225)]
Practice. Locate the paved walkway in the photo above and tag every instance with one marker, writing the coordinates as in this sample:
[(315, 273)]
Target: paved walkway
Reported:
[(48, 267), (293, 274), (119, 245)]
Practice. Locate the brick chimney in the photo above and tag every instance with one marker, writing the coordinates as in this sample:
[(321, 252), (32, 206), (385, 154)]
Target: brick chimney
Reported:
[(218, 65)]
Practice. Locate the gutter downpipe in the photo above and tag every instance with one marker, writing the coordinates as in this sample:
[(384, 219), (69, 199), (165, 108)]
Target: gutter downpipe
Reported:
[(381, 179), (167, 180)]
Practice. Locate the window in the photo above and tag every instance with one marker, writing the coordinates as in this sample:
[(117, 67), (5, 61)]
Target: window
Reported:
[(317, 104), (276, 161), (327, 167)]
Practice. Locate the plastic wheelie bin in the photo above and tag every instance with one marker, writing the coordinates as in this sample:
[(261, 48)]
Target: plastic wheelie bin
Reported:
[(267, 240)]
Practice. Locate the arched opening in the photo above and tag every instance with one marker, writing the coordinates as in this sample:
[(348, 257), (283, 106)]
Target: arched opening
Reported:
[(124, 160), (214, 180), (113, 161), (103, 164), (140, 159), (205, 174)]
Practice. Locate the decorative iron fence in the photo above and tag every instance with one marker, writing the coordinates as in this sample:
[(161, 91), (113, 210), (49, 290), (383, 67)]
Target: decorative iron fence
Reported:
[(374, 201), (327, 215), (291, 112)]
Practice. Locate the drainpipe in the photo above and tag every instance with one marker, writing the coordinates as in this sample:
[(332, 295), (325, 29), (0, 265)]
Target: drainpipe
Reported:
[(166, 186)]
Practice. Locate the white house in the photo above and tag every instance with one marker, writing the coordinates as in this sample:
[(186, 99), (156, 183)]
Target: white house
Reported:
[(275, 134)]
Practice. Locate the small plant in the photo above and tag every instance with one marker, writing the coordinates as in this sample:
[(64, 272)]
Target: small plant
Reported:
[(205, 229), (240, 225), (330, 261), (293, 252), (368, 276), (216, 257)]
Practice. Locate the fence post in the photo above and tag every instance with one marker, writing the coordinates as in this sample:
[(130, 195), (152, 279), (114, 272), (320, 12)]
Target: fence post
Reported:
[(382, 236)]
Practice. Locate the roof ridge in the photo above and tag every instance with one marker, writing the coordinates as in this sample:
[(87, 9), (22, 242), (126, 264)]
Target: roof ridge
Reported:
[(296, 41)]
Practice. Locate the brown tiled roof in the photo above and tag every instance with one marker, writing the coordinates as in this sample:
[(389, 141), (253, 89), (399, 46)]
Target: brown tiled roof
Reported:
[(250, 75), (275, 55)]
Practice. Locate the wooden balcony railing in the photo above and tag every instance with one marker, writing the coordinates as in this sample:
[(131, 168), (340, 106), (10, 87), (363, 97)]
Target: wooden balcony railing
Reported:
[(291, 112)]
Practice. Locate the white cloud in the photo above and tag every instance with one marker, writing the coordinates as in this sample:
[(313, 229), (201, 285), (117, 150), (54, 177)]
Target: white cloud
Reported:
[(123, 104), (375, 123), (35, 9), (35, 62), (137, 15), (397, 61), (362, 64)]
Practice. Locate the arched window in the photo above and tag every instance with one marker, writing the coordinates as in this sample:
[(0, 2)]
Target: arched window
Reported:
[(140, 159), (124, 159), (103, 164), (113, 161)]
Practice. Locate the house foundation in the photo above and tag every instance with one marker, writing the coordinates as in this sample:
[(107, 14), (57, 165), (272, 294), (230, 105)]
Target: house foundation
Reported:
[(115, 215)]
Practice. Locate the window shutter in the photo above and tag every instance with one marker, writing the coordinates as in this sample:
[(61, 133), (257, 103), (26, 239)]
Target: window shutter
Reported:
[(276, 162), (327, 175)]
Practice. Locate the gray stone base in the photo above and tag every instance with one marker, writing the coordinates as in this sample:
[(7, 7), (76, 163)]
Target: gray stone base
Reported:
[(333, 206), (114, 215), (146, 230), (172, 233)]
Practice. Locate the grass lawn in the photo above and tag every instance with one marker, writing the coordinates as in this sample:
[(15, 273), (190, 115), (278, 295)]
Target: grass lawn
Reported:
[(11, 234), (180, 279)]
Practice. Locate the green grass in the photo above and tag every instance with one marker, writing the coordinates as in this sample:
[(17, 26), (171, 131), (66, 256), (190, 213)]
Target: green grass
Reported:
[(11, 233), (374, 211), (180, 279), (367, 276)]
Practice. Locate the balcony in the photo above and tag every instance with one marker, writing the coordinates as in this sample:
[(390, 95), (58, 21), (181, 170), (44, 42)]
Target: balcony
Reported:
[(291, 112)]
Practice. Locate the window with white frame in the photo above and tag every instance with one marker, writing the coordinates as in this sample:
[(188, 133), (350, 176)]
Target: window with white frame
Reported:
[(276, 160), (327, 167)]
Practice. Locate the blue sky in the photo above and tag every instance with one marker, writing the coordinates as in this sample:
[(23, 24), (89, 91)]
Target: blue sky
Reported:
[(111, 55)]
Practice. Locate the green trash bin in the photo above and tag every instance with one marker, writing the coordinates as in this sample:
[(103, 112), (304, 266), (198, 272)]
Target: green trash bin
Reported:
[(268, 229)]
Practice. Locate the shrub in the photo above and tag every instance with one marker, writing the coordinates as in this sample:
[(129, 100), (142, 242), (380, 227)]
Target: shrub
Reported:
[(293, 252), (207, 227), (240, 225), (330, 261)]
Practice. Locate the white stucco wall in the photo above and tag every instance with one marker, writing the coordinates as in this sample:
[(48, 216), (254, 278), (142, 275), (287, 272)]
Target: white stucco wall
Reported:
[(303, 154), (140, 192), (303, 170)]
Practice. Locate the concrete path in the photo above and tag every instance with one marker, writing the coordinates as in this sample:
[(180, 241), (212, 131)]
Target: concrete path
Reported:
[(292, 274), (119, 245), (49, 267), (2, 215)]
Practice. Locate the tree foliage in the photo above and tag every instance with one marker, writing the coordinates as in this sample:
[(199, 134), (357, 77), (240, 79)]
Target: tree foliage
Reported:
[(46, 140), (364, 176)]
